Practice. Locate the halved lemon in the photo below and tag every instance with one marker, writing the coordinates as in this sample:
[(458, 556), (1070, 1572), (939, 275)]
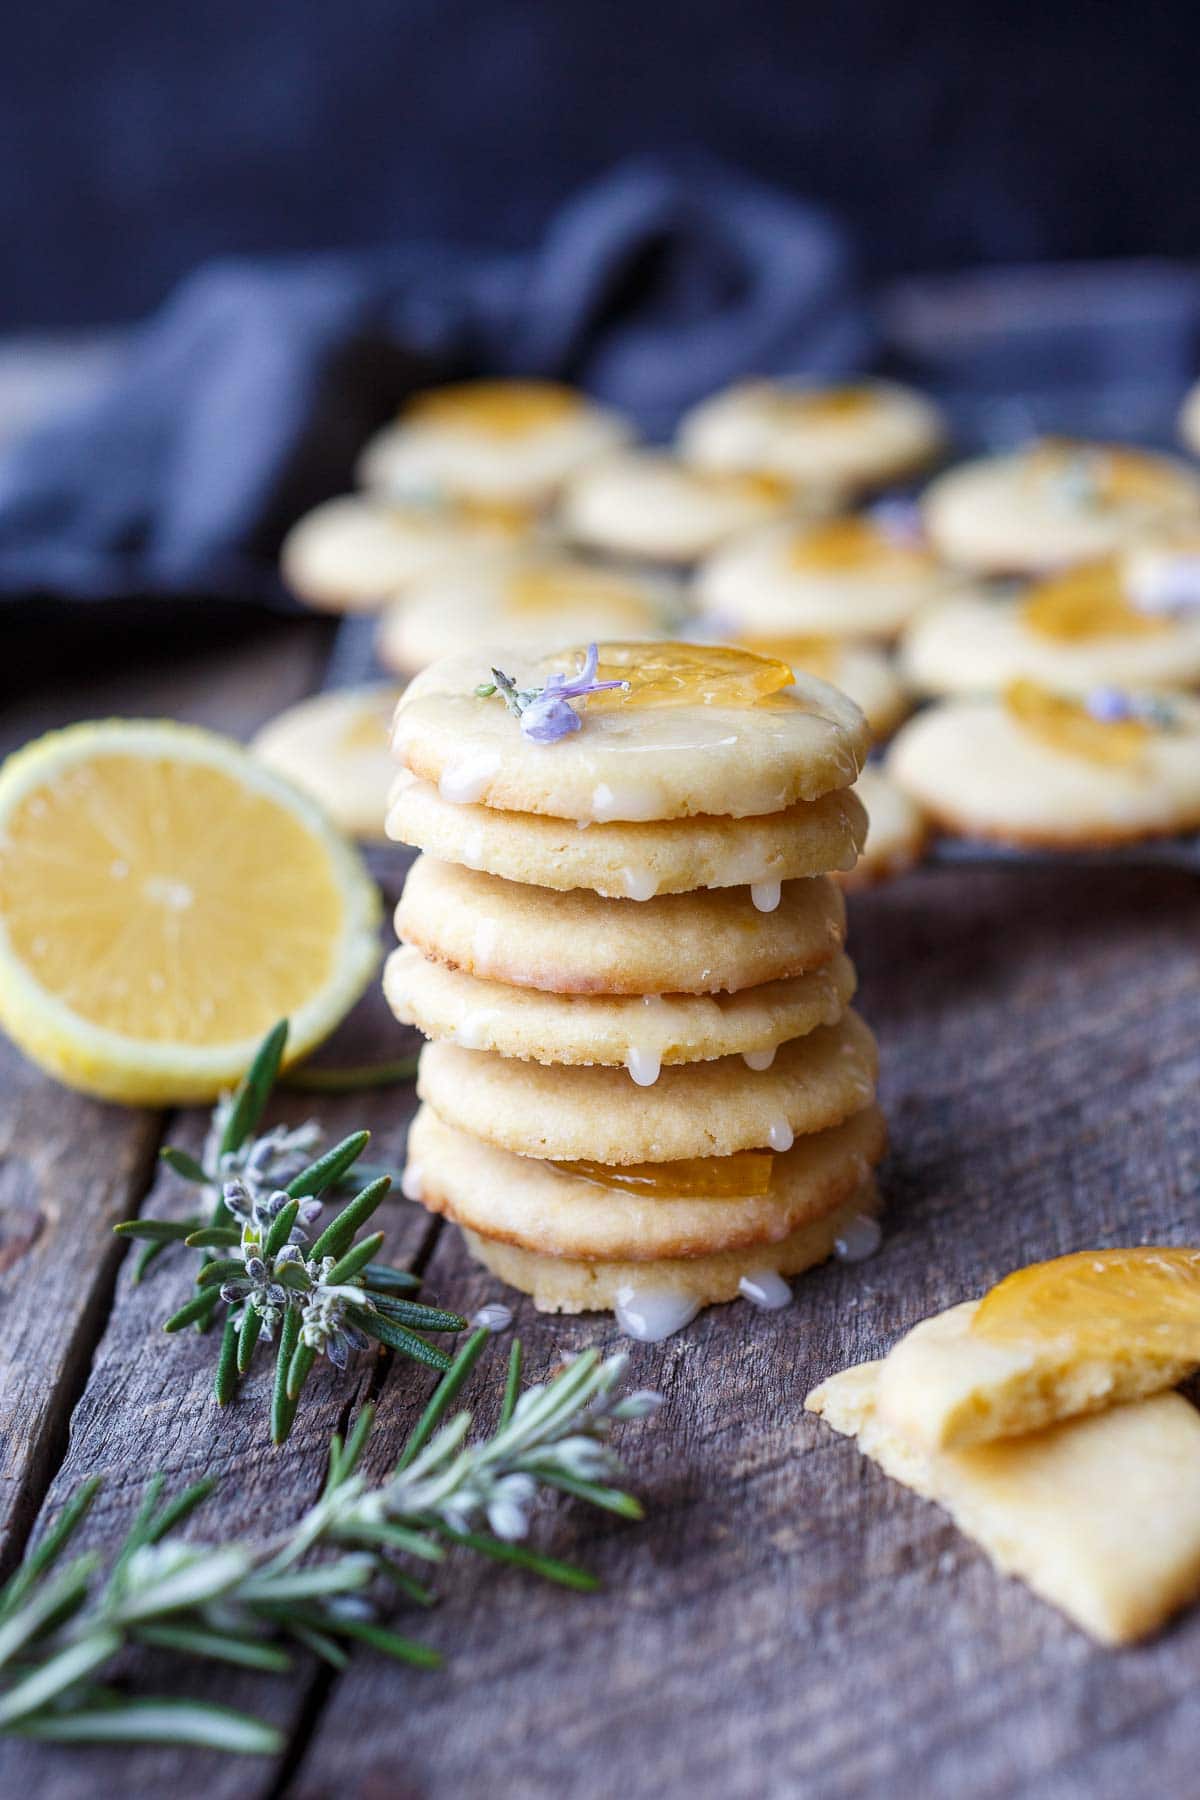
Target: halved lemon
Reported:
[(1140, 1301), (164, 898)]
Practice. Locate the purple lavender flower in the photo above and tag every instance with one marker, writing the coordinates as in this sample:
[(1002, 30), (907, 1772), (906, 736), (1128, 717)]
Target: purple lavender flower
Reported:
[(899, 521), (1109, 706), (546, 713), (1170, 585)]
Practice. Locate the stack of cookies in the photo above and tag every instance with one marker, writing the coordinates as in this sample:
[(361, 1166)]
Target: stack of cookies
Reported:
[(645, 1090)]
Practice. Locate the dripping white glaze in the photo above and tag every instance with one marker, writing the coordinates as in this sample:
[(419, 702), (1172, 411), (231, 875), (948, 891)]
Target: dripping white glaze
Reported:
[(859, 1238), (766, 895), (410, 1182), (473, 848), (640, 884), (493, 1317), (486, 937), (758, 1060), (766, 1289), (463, 783), (644, 1065), (473, 1029), (780, 1136), (652, 1314)]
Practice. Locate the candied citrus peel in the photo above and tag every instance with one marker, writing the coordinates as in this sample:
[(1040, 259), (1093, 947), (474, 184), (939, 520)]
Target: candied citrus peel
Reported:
[(814, 655), (504, 409), (1141, 1301), (851, 543), (663, 674), (506, 516), (1067, 725), (743, 1176), (549, 589), (1088, 602), (1109, 474), (821, 405)]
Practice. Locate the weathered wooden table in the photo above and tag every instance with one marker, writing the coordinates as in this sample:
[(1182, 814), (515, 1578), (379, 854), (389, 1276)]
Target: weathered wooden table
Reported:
[(786, 1622)]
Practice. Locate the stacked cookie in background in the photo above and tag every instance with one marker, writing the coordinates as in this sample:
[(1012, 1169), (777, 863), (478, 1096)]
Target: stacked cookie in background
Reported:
[(645, 1090)]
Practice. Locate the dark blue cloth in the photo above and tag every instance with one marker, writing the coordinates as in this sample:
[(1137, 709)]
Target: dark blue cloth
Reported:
[(245, 401)]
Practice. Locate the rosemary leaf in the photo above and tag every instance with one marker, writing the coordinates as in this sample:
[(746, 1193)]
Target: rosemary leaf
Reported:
[(381, 1279), (57, 1598), (145, 1258), (356, 1258), (337, 1236), (194, 1640), (55, 1676), (177, 1510), (512, 1385), (226, 1378), (162, 1231), (183, 1164), (283, 1410), (329, 1168), (397, 1337), (222, 1268), (444, 1395), (248, 1337), (281, 1229), (549, 1567), (325, 1647), (197, 1724), (198, 1307), (609, 1499), (421, 1656), (299, 1370), (423, 1318), (213, 1237), (351, 1080), (254, 1089), (49, 1547)]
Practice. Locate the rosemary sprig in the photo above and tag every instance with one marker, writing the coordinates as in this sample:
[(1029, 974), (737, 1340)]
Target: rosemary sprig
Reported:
[(263, 1196), (320, 1585)]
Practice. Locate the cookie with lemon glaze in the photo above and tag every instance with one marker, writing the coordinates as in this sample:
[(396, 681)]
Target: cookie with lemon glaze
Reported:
[(1074, 631), (357, 552), (980, 769), (702, 729), (335, 747), (1053, 503), (575, 942), (630, 861), (650, 507), (861, 671), (847, 577), (518, 602), (897, 832), (505, 441), (554, 1210), (845, 437), (642, 1032), (566, 1285), (700, 1109)]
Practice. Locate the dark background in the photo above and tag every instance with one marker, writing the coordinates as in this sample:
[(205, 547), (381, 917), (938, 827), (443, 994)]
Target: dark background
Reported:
[(140, 137)]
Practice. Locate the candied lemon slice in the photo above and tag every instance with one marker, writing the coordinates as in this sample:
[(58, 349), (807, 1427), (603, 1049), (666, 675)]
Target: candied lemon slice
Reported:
[(1144, 1300), (813, 655), (820, 406), (1066, 724), (845, 546), (1099, 474), (505, 409), (740, 1177), (681, 675), (553, 588), (1087, 602), (164, 898)]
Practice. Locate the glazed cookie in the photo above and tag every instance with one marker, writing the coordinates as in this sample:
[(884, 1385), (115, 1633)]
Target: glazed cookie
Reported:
[(651, 507), (845, 438), (507, 441), (652, 1299), (1054, 503), (1076, 631), (355, 553), (1039, 768), (630, 862), (518, 603), (574, 942), (700, 1109), (335, 747), (639, 1032), (897, 832), (847, 578), (589, 1213), (699, 729)]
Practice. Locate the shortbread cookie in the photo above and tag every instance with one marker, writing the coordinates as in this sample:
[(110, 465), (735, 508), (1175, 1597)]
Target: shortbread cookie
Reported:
[(897, 832), (1100, 1515), (522, 602), (863, 672), (630, 862), (699, 731), (509, 441), (1054, 503), (845, 437), (653, 508), (1074, 632), (947, 1387), (702, 1109), (569, 1209), (575, 942), (355, 553), (639, 1032), (1035, 769), (849, 578), (335, 747)]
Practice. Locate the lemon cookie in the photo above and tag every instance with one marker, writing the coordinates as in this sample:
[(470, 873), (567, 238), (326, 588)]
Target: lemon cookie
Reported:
[(844, 437), (355, 553), (1054, 503), (847, 577), (700, 1109), (1040, 768), (651, 507), (897, 832), (521, 603), (335, 747), (1075, 631), (591, 1213), (862, 672), (631, 861), (698, 729), (639, 1032), (507, 441), (575, 942)]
